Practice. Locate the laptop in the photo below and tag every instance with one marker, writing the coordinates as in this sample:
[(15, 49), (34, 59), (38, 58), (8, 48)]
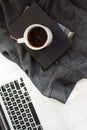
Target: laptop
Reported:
[(22, 106), (60, 44)]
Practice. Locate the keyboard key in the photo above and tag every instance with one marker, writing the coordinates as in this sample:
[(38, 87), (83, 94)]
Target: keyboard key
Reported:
[(20, 105), (27, 110), (7, 85), (13, 112), (28, 99), (14, 104), (14, 126), (11, 117), (22, 84), (5, 103), (25, 88), (3, 98), (14, 91), (9, 103), (16, 121), (13, 122), (18, 126), (23, 101), (16, 96), (12, 85), (21, 96), (23, 114), (27, 124), (31, 119), (12, 99), (1, 93), (25, 119), (25, 106), (23, 127), (21, 122), (5, 94), (33, 124), (22, 110), (20, 92), (29, 115), (26, 94), (18, 101), (21, 79), (3, 88), (18, 113), (7, 107), (7, 98), (14, 117), (9, 90), (10, 94), (16, 84), (8, 112), (16, 108), (11, 108), (20, 117)]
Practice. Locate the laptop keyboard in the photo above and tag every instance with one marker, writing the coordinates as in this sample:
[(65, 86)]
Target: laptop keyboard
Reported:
[(19, 106)]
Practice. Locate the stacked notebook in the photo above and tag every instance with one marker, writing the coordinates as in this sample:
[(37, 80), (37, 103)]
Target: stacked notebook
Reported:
[(60, 44)]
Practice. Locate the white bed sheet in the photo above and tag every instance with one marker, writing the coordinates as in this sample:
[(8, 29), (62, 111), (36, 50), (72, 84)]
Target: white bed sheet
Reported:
[(74, 110)]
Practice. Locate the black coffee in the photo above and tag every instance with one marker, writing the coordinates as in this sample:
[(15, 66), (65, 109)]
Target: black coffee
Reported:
[(37, 37)]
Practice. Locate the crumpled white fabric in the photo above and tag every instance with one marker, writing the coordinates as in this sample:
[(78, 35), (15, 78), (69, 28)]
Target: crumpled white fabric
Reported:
[(75, 109)]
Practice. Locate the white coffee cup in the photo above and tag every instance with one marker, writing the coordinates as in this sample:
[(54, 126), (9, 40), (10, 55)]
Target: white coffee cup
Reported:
[(36, 34)]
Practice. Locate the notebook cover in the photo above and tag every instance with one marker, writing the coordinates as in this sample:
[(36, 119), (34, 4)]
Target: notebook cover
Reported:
[(60, 43)]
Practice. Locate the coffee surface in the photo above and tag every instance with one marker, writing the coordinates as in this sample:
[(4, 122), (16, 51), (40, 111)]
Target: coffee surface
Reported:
[(37, 37)]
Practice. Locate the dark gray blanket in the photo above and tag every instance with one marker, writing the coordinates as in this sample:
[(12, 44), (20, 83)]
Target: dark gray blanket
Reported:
[(59, 80)]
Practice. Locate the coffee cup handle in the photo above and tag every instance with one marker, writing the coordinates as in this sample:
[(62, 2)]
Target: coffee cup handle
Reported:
[(20, 40)]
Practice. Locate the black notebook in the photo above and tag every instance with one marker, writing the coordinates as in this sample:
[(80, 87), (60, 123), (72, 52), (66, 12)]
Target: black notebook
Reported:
[(60, 44)]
